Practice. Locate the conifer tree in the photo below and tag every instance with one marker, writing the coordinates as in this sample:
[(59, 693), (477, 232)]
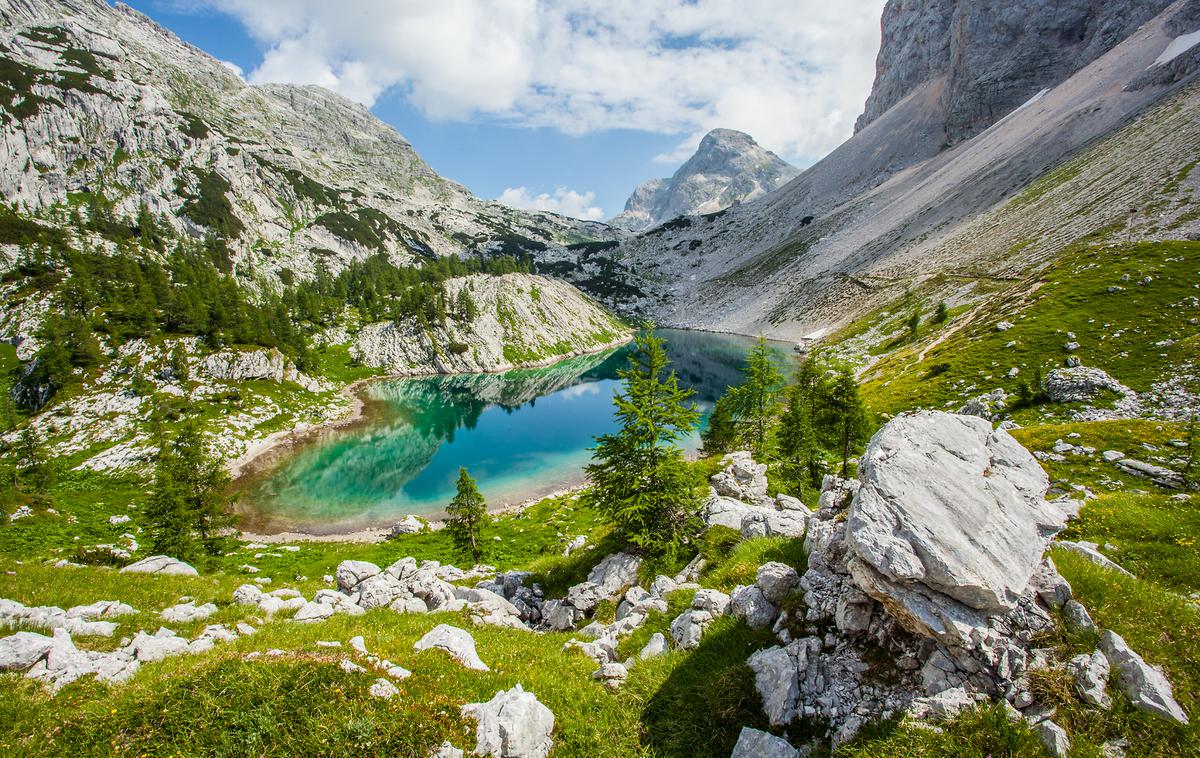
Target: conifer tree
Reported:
[(847, 416), (467, 514), (33, 472), (942, 313), (720, 435), (188, 508), (755, 399), (639, 476)]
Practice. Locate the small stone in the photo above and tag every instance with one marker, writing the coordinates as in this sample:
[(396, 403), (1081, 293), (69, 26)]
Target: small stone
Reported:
[(384, 689)]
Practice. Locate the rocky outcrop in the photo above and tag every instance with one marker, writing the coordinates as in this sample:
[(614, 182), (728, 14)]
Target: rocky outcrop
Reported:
[(991, 57), (520, 320), (249, 365), (729, 167), (1145, 685), (959, 618), (950, 523)]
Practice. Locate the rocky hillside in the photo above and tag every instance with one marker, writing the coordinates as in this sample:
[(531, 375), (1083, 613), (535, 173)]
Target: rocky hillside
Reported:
[(101, 107), (902, 200), (728, 168)]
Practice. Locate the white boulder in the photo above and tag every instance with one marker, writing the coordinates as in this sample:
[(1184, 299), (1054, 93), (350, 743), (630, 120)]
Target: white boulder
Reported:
[(160, 564), (513, 724), (457, 642)]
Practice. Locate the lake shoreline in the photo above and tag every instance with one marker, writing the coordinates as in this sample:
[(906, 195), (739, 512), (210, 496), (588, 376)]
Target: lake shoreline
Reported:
[(273, 444)]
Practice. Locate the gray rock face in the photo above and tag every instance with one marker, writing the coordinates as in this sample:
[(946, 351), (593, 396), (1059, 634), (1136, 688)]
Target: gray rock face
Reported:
[(1145, 686), (1054, 737), (776, 580), (160, 564), (729, 167), (351, 573), (950, 523), (187, 612), (775, 678), (457, 642), (755, 744), (992, 56), (655, 647), (21, 650), (513, 724), (749, 604)]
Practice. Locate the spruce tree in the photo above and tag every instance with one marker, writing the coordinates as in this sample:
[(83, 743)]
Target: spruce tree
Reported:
[(639, 476), (797, 437), (847, 416), (467, 514), (33, 472), (942, 313), (755, 399), (188, 508), (720, 435)]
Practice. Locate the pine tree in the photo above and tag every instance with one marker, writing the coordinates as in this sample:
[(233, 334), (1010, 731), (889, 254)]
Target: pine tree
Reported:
[(913, 323), (942, 313), (179, 364), (639, 476), (755, 399), (847, 416), (188, 508), (33, 472), (797, 436), (467, 514), (720, 435)]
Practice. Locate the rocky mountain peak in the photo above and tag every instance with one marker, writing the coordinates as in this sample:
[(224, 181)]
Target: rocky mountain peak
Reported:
[(728, 167)]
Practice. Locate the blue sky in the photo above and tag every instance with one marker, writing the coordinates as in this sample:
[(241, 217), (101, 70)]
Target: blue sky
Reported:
[(560, 104)]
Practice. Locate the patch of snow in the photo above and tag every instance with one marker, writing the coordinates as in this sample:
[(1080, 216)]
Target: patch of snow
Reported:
[(1178, 47)]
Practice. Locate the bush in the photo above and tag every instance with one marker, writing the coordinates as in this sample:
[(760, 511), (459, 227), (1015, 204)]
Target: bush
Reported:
[(458, 348)]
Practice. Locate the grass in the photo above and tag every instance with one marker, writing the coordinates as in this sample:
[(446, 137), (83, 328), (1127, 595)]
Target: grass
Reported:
[(1118, 331)]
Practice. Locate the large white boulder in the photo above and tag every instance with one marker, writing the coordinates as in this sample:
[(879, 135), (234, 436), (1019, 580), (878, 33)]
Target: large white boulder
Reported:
[(457, 642), (160, 564), (21, 650), (352, 573), (513, 724), (949, 524), (615, 572)]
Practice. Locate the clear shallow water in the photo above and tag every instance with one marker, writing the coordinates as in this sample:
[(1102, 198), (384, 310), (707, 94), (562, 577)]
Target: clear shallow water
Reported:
[(521, 434)]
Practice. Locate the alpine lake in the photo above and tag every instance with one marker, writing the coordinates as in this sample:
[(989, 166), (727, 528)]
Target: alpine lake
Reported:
[(522, 434)]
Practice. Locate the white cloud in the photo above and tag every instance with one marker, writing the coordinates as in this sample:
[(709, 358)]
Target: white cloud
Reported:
[(792, 73), (235, 68), (568, 202)]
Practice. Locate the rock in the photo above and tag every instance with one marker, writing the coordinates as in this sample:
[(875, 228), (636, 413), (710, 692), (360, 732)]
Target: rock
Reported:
[(1081, 384), (382, 688), (776, 682), (750, 605), (1091, 551), (943, 706), (150, 648), (1145, 685), (950, 523), (714, 602), (1050, 586), (358, 644), (513, 724), (350, 667), (656, 647), (558, 615), (755, 744), (410, 524), (351, 573), (1077, 617), (742, 479), (247, 594), (313, 612), (160, 564), (688, 627), (615, 572), (187, 612), (18, 652), (446, 750), (776, 580), (378, 591), (457, 642), (1091, 678), (576, 543), (1160, 475), (728, 512), (585, 596), (783, 523), (1054, 737), (611, 674)]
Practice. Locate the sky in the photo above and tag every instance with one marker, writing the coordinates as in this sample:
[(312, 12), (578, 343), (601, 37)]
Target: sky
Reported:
[(561, 105)]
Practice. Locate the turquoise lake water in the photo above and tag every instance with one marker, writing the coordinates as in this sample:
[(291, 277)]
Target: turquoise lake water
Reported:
[(522, 434)]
